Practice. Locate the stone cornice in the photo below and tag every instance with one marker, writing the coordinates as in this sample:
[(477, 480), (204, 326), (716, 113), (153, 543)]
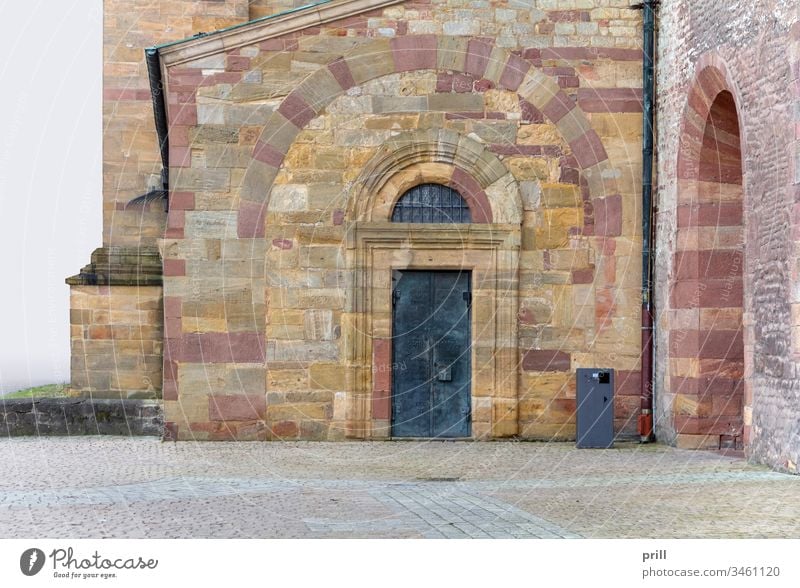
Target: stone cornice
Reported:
[(264, 29)]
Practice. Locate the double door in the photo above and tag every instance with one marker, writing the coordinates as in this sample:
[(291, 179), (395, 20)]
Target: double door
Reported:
[(431, 354)]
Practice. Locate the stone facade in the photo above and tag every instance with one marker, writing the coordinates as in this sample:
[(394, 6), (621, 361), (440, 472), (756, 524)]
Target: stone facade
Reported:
[(291, 147), (728, 227), (290, 139)]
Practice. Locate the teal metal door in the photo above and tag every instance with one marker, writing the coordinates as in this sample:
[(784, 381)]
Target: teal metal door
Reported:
[(431, 349)]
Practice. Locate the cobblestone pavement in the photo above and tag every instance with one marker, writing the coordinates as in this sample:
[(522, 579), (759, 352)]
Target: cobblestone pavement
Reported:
[(121, 487)]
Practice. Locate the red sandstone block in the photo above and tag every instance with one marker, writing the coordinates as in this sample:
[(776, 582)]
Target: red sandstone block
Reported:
[(169, 390), (444, 82), (608, 216), (238, 63), (381, 404), (174, 267), (266, 153), (729, 406), (283, 243), (719, 344), (237, 407), (180, 156), (683, 385), (237, 347), (382, 364), (172, 306), (610, 100), (285, 429), (558, 107), (463, 83), (296, 110), (514, 72), (530, 114), (683, 343), (686, 293), (250, 224), (176, 219), (338, 217), (179, 135), (628, 383), (588, 149), (181, 201), (722, 292), (125, 95), (172, 327), (414, 52), (720, 263), (720, 386), (473, 193), (482, 85), (183, 114), (685, 266), (536, 360), (477, 57), (583, 276)]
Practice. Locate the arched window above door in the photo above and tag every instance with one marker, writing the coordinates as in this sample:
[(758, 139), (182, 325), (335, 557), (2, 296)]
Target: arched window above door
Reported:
[(431, 203)]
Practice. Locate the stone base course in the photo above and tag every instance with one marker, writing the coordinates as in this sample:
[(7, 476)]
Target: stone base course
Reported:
[(80, 416)]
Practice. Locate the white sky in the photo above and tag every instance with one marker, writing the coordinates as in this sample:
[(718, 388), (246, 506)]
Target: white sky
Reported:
[(50, 177)]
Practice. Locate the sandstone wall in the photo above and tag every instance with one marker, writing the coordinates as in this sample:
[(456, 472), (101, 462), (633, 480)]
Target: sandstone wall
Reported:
[(269, 144), (131, 157), (116, 341), (748, 50)]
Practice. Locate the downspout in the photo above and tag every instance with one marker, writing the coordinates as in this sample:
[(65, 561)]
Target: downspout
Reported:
[(648, 329), (160, 113)]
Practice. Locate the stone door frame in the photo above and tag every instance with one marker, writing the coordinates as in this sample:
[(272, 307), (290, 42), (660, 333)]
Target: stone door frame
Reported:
[(491, 253)]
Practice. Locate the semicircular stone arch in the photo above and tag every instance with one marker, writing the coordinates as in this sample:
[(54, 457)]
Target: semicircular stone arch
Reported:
[(440, 155), (382, 57)]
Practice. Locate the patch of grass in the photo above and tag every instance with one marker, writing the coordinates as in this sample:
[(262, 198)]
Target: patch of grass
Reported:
[(46, 391)]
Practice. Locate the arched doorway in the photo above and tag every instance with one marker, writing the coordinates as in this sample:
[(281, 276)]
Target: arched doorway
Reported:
[(431, 335), (706, 340)]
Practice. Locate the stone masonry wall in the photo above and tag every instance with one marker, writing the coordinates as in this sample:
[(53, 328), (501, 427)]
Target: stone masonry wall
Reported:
[(750, 50), (269, 141), (80, 416), (131, 157), (116, 341)]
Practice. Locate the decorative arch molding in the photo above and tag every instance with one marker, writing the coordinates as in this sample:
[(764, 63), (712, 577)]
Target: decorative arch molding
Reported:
[(442, 156), (382, 57)]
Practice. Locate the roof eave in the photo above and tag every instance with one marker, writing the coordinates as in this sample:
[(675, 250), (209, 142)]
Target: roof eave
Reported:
[(263, 29)]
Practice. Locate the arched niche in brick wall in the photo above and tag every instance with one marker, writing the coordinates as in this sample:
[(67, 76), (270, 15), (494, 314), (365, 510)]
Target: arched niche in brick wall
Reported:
[(707, 372)]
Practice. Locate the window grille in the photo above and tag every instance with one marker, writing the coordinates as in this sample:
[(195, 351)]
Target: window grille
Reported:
[(431, 203)]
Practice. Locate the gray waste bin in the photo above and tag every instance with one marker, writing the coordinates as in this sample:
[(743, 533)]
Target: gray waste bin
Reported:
[(595, 406)]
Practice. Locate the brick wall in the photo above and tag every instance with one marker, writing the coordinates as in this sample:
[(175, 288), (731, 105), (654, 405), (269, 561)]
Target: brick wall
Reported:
[(739, 52)]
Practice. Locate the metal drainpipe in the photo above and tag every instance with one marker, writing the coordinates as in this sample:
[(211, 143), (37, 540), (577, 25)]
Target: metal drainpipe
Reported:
[(160, 114), (648, 328)]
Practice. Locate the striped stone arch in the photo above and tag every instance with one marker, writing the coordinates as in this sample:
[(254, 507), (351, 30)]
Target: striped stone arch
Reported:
[(708, 378), (712, 77), (382, 57)]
